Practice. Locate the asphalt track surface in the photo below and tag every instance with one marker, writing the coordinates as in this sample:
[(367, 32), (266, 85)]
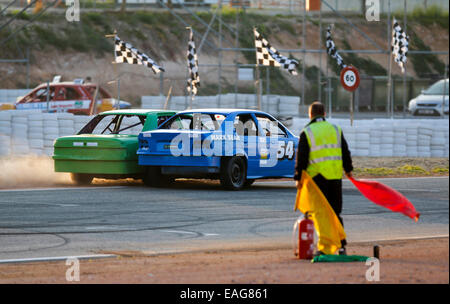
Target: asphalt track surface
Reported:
[(195, 215)]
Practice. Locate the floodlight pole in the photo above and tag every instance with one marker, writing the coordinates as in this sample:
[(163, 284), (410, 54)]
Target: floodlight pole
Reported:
[(236, 58), (219, 89), (319, 80), (302, 102)]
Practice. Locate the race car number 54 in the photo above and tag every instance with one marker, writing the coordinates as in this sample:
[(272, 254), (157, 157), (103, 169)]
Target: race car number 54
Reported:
[(285, 150)]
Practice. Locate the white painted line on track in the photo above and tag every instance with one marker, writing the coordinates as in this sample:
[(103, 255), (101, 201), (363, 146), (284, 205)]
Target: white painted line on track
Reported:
[(178, 231), (419, 190), (189, 232), (62, 258), (62, 188), (424, 237), (397, 178)]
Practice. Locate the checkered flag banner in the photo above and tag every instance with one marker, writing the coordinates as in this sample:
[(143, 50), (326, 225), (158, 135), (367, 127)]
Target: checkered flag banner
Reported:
[(193, 81), (268, 56), (126, 53), (400, 43), (331, 50)]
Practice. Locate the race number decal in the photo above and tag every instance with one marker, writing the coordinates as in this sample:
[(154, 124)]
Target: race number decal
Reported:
[(290, 150), (285, 150)]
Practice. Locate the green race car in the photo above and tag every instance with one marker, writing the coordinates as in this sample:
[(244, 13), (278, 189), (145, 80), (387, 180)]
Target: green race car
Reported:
[(106, 147)]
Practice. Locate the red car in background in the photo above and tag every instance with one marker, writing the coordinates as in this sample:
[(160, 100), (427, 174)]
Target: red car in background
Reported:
[(72, 97)]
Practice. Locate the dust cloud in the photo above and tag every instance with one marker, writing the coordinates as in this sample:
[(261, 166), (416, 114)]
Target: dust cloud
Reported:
[(30, 171)]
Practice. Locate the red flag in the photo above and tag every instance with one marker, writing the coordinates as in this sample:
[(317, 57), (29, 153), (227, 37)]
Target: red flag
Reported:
[(387, 197)]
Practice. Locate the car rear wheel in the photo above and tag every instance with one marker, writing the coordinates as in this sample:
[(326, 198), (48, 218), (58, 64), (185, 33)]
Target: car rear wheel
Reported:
[(81, 178), (233, 173), (154, 178)]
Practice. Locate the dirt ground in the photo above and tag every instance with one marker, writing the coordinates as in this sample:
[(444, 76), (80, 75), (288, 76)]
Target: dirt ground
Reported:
[(408, 261)]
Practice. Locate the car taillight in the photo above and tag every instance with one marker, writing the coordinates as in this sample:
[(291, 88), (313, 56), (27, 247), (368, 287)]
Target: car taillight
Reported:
[(143, 144)]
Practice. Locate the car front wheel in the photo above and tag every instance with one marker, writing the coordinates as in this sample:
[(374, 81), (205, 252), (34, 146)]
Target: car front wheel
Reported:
[(233, 173)]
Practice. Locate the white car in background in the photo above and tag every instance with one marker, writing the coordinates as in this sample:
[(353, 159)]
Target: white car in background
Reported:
[(430, 101)]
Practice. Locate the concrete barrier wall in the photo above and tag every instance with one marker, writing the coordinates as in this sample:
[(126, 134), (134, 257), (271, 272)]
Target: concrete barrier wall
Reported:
[(31, 132)]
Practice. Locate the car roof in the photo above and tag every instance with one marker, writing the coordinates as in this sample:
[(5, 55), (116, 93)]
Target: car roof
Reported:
[(64, 83), (135, 111), (222, 111)]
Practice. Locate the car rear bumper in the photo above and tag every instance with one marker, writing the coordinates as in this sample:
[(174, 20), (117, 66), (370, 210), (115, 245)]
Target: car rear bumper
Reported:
[(179, 161), (122, 167), (184, 166)]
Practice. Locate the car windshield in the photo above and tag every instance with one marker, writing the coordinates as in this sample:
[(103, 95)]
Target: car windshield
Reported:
[(437, 88), (115, 124), (195, 121)]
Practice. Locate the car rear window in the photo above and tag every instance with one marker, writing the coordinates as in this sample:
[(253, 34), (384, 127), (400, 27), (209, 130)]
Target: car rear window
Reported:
[(195, 121), (115, 124)]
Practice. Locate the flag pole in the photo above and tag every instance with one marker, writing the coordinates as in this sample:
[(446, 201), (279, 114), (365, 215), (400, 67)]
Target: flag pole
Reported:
[(113, 35), (405, 11), (117, 103), (169, 95), (190, 97), (257, 82), (389, 84), (258, 87), (190, 83)]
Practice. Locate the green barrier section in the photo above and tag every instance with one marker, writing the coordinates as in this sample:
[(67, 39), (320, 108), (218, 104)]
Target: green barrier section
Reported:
[(327, 258)]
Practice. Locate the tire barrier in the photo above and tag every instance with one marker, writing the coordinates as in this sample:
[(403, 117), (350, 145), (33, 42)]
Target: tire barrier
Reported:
[(392, 138), (31, 132)]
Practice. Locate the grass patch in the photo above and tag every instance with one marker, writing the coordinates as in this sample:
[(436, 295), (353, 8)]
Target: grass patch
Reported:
[(47, 37), (424, 65), (439, 170), (405, 170), (362, 63), (434, 14), (287, 27), (20, 15)]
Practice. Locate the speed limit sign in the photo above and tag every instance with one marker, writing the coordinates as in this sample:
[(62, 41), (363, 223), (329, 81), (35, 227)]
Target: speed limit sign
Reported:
[(350, 78)]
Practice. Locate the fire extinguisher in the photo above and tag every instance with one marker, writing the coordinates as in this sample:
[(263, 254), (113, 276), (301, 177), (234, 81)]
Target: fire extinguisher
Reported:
[(305, 238)]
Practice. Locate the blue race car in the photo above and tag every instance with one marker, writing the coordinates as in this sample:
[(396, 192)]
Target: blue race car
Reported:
[(235, 146)]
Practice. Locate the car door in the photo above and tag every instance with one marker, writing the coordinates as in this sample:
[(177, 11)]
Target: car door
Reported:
[(280, 147), (246, 132), (38, 99)]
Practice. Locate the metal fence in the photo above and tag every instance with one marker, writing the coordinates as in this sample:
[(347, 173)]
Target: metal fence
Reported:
[(373, 92)]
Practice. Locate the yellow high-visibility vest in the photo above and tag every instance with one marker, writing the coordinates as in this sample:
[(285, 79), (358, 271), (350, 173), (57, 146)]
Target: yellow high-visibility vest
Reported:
[(325, 153)]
